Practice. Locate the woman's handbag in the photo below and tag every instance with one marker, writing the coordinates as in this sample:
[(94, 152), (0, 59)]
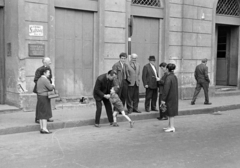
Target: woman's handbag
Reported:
[(53, 94), (163, 108)]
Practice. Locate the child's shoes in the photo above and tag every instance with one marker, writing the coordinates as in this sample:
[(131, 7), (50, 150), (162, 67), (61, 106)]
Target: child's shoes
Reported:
[(115, 124), (131, 124)]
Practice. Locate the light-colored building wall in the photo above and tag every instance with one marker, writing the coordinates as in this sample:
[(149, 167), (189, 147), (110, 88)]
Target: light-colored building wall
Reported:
[(186, 37)]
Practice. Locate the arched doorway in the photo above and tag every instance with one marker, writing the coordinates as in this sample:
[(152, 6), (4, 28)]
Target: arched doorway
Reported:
[(227, 42)]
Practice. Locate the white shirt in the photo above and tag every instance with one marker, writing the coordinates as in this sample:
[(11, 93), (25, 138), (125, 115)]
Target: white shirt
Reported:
[(154, 69)]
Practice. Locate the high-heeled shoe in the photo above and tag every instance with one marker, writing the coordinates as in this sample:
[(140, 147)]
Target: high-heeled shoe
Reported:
[(170, 130), (45, 132)]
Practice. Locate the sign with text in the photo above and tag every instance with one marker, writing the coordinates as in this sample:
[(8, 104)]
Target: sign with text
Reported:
[(36, 50), (35, 30)]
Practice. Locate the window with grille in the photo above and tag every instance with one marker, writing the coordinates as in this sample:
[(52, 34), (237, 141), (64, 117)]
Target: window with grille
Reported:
[(153, 3), (228, 7)]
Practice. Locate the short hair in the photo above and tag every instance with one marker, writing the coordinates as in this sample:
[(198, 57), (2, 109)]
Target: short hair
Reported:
[(112, 72), (123, 55), (171, 67), (116, 89), (163, 64), (204, 60), (44, 70)]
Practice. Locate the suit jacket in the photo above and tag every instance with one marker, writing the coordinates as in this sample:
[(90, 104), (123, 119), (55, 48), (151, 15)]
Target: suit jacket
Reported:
[(201, 73), (148, 77), (102, 87), (122, 73), (133, 74), (161, 82)]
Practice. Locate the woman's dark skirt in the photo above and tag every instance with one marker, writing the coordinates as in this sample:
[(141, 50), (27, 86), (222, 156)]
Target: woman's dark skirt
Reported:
[(44, 110)]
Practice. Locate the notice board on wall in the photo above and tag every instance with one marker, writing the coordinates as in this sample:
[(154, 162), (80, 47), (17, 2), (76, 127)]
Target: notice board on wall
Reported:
[(36, 50)]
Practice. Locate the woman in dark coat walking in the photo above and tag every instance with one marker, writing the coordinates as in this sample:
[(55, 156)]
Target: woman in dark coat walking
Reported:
[(170, 97), (44, 110)]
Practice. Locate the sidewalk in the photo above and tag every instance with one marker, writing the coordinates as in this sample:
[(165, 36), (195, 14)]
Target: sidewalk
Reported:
[(76, 114)]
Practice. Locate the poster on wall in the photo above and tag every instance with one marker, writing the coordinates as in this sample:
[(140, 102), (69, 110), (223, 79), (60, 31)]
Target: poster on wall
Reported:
[(35, 30)]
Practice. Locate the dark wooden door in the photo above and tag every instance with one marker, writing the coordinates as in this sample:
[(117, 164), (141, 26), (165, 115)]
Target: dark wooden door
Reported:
[(74, 52), (145, 41), (227, 55)]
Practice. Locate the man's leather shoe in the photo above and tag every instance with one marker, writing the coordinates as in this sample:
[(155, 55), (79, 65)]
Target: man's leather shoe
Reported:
[(207, 103), (154, 110), (49, 120), (192, 103), (162, 118), (37, 121), (136, 111), (147, 110)]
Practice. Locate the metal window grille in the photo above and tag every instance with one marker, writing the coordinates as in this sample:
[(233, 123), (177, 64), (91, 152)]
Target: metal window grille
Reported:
[(228, 7), (153, 3)]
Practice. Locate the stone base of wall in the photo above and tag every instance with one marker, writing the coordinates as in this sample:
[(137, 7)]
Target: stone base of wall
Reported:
[(187, 93), (12, 99), (28, 102)]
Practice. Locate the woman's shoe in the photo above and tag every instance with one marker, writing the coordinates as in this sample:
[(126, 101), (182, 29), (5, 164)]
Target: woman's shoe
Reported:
[(45, 132), (170, 130)]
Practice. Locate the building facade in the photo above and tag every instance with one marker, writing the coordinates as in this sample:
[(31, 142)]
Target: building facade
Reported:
[(83, 38)]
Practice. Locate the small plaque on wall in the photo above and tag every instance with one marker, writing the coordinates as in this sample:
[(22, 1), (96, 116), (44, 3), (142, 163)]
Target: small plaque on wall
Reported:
[(36, 50)]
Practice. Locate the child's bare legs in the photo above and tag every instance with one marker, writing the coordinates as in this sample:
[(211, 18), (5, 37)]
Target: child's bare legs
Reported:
[(130, 121), (115, 113), (124, 114)]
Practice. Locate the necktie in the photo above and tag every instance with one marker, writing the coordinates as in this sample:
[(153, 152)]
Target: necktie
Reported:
[(134, 66)]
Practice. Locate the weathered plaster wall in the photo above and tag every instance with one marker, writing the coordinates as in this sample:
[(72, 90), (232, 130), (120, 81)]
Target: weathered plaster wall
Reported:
[(31, 12), (190, 40), (114, 31), (12, 70)]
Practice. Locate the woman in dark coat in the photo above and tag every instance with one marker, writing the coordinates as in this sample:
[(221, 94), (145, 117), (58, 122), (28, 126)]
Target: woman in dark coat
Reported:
[(44, 110), (170, 97)]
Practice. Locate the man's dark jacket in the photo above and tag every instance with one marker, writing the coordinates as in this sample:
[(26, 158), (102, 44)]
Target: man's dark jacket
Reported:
[(102, 87), (148, 77), (201, 73)]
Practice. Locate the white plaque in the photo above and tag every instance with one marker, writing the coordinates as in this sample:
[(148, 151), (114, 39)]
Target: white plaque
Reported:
[(35, 30)]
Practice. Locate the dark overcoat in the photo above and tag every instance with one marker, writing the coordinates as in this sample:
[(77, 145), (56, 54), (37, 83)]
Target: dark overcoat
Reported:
[(148, 76), (170, 94)]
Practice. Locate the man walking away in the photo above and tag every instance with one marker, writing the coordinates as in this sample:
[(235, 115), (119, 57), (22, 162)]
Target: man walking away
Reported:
[(201, 76)]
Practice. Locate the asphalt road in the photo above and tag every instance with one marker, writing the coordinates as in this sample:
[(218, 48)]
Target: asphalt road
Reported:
[(200, 141)]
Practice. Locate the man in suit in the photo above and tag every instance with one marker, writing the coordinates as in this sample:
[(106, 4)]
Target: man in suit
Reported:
[(201, 76), (101, 93), (133, 87), (150, 78), (163, 66), (122, 75), (39, 72)]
